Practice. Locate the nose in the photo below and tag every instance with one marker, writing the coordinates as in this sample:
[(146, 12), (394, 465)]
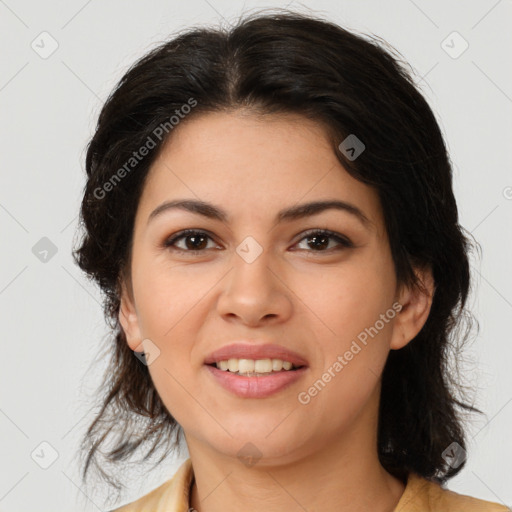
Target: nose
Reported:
[(254, 293)]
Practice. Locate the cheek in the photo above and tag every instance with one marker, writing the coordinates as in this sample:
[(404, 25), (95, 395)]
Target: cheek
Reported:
[(349, 297), (354, 304), (172, 306), (352, 355), (168, 312), (172, 380), (166, 297)]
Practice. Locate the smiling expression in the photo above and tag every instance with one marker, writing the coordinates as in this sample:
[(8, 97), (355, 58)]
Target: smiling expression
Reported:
[(254, 269)]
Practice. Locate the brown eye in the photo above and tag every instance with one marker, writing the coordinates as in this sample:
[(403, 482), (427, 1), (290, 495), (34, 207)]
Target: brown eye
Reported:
[(319, 241), (193, 241)]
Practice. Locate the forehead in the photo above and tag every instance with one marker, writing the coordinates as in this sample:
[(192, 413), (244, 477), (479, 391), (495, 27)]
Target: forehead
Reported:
[(241, 137), (249, 163)]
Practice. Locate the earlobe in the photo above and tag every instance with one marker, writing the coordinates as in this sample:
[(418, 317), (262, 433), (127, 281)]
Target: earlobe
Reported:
[(128, 318), (416, 303)]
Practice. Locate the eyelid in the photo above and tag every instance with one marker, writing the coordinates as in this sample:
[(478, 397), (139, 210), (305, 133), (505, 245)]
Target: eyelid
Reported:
[(341, 239), (168, 241), (324, 231)]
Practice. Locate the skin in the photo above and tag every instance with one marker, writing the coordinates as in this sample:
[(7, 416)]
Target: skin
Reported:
[(293, 294)]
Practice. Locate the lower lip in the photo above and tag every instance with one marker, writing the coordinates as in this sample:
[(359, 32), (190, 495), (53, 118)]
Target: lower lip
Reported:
[(256, 387)]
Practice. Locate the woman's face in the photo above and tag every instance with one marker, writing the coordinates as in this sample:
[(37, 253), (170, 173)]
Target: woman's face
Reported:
[(258, 278)]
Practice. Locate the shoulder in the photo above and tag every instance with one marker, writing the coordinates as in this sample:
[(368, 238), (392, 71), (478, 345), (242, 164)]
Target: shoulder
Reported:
[(422, 495), (171, 496)]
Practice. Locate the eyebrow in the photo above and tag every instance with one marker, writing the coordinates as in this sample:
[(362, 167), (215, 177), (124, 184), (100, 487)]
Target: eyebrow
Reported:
[(288, 214)]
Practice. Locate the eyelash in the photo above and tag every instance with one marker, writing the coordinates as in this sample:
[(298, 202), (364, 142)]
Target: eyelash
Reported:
[(342, 240)]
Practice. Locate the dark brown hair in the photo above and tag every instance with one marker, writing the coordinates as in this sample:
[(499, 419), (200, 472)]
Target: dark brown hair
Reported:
[(287, 62)]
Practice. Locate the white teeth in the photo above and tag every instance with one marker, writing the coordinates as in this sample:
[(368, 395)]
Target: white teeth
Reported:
[(244, 365), (223, 365), (263, 366), (260, 366)]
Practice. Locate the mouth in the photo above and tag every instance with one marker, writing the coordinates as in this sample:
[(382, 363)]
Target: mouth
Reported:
[(248, 370), (253, 384)]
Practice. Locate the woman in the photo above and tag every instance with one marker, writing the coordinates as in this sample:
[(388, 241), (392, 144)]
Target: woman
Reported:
[(269, 212)]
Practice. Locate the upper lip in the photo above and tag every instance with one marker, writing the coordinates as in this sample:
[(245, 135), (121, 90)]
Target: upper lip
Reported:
[(255, 351)]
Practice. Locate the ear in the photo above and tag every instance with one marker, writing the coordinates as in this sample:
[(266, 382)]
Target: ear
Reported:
[(416, 304), (128, 317)]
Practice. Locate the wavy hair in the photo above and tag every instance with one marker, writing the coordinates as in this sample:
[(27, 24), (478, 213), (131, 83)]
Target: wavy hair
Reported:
[(271, 63)]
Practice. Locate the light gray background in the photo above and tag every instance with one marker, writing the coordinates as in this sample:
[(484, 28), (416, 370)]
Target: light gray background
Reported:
[(52, 324)]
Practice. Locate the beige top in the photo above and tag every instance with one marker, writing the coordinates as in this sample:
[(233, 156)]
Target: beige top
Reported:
[(420, 495)]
